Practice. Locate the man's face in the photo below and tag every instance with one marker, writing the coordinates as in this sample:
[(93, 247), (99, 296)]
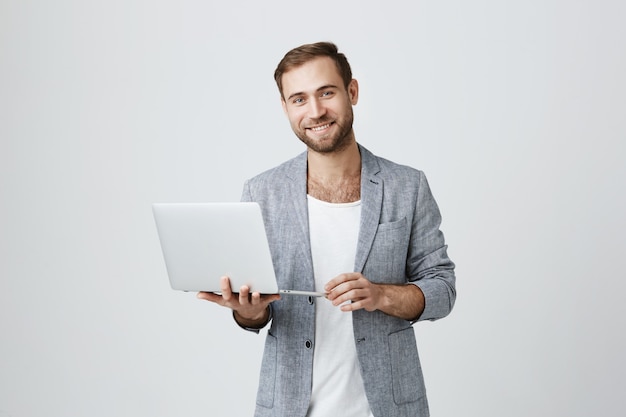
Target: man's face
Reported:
[(318, 105)]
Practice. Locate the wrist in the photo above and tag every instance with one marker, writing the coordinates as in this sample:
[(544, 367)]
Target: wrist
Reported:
[(257, 321), (405, 301), (385, 300)]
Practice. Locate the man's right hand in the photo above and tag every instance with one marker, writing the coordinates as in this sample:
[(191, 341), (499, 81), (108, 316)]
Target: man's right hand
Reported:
[(251, 309)]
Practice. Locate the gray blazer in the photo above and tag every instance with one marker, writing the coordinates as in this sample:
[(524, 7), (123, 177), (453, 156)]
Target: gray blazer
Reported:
[(399, 242)]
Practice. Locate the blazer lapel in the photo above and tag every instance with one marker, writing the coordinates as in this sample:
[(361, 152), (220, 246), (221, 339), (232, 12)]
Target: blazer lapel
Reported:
[(371, 206), (298, 202)]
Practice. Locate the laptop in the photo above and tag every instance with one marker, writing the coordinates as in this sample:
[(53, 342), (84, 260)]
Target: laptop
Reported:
[(201, 242)]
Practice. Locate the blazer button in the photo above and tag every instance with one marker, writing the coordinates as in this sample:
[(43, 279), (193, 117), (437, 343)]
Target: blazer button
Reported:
[(308, 344), (310, 300)]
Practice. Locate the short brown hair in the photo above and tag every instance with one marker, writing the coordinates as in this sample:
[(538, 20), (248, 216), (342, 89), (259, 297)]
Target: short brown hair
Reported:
[(305, 53)]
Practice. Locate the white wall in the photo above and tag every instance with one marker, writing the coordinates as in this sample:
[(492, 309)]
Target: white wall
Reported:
[(515, 111)]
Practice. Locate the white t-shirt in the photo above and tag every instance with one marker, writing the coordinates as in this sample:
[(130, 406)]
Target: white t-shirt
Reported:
[(337, 383)]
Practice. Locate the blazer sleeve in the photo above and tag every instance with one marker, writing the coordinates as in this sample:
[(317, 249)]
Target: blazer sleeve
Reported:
[(246, 196), (428, 264)]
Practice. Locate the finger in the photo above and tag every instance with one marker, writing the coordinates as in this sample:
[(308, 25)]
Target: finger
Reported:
[(363, 303), (244, 294), (344, 291), (352, 295), (255, 299), (209, 296), (225, 288), (340, 279), (350, 307), (338, 298), (330, 285)]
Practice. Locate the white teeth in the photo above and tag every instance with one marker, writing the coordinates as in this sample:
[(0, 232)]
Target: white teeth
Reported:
[(318, 128)]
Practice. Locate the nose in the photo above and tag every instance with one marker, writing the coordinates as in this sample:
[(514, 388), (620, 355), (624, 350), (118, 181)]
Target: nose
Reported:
[(316, 109)]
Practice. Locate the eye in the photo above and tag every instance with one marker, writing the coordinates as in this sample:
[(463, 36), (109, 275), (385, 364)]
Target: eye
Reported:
[(298, 100), (327, 93)]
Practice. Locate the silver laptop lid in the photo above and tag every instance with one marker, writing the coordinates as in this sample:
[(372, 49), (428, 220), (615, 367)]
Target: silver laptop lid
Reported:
[(202, 242)]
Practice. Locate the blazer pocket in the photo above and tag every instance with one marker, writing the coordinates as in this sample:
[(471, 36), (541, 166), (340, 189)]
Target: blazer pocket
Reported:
[(382, 227), (406, 370), (267, 380)]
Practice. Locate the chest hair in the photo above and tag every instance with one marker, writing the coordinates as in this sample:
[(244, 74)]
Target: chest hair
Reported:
[(343, 190)]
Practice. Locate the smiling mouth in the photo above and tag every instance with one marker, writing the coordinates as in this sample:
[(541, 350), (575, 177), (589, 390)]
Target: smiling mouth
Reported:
[(320, 128)]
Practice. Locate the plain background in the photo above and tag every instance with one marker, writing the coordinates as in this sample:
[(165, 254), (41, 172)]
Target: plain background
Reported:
[(514, 109)]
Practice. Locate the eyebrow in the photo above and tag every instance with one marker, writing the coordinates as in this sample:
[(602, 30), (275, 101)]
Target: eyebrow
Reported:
[(324, 87)]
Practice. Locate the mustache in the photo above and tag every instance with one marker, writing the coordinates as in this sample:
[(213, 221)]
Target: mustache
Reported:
[(322, 120)]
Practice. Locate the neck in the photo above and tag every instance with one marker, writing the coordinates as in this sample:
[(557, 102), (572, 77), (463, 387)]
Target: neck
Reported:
[(335, 165), (335, 177)]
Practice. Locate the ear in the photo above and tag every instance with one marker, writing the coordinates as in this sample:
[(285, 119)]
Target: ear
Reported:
[(353, 91)]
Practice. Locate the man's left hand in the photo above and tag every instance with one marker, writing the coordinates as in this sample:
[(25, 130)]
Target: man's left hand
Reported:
[(352, 291), (356, 288)]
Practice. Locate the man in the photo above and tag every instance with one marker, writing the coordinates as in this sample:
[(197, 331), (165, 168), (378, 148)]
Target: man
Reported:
[(361, 229)]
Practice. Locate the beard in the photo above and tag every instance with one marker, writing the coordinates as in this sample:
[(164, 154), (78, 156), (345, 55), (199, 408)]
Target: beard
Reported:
[(331, 142)]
